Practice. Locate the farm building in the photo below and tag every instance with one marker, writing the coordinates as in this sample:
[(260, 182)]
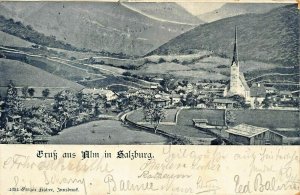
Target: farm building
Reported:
[(253, 135)]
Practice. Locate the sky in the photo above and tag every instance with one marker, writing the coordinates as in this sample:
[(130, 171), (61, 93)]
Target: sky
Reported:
[(200, 8)]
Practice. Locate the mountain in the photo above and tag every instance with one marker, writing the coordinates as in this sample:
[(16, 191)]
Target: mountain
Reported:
[(269, 37), (113, 27), (235, 9), (17, 30), (171, 12)]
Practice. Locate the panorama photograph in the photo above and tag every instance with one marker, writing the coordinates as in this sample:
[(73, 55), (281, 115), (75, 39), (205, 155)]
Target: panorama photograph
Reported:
[(110, 73)]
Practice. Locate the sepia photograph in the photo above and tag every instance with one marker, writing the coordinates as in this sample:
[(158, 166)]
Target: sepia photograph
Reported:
[(123, 73)]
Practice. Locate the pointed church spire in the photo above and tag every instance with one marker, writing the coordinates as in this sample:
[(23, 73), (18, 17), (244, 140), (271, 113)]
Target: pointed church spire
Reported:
[(235, 51)]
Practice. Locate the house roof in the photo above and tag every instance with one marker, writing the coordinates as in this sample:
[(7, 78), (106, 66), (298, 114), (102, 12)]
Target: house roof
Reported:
[(249, 131), (271, 88), (175, 96), (96, 91), (257, 91), (246, 130), (200, 120), (132, 90), (161, 99), (201, 96), (285, 93), (223, 101), (14, 116)]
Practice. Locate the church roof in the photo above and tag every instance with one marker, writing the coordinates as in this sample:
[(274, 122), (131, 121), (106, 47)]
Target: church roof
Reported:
[(244, 82), (235, 49)]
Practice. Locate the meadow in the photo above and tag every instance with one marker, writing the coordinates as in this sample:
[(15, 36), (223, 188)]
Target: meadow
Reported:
[(105, 132)]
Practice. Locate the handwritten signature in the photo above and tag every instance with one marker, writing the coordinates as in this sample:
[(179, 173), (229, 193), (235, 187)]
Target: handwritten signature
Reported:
[(261, 184)]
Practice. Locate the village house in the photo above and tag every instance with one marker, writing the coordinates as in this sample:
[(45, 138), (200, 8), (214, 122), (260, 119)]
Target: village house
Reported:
[(13, 122), (154, 85), (162, 101), (222, 103), (270, 90), (257, 94), (175, 98), (133, 92), (285, 96), (252, 135), (189, 87), (201, 101), (110, 95)]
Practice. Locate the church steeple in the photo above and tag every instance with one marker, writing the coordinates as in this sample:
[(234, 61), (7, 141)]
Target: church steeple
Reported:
[(235, 51)]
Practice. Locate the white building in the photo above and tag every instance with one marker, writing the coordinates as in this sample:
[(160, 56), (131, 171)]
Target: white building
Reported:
[(238, 84), (110, 95)]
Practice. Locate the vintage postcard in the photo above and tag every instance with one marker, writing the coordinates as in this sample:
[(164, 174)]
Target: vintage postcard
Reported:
[(149, 98)]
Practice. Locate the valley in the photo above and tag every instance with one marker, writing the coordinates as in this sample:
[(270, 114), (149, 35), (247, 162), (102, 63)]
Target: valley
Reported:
[(99, 66)]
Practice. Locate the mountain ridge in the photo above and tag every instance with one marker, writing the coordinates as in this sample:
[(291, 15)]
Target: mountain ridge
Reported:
[(269, 37), (104, 26), (235, 9)]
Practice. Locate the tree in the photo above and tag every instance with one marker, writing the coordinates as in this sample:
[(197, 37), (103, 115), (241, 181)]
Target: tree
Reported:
[(23, 136), (154, 113), (31, 92), (126, 73), (25, 91), (12, 103), (40, 122), (7, 137), (167, 83), (46, 93), (191, 100), (161, 60), (134, 102), (240, 102), (66, 108), (87, 103), (230, 118)]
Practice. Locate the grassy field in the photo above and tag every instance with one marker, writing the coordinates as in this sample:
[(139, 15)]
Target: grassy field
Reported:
[(263, 118), (268, 118), (10, 40), (38, 102), (138, 116), (194, 66), (105, 132), (215, 117), (109, 80), (184, 125)]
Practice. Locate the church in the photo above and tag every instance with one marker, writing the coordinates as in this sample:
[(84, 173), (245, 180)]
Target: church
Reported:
[(238, 84)]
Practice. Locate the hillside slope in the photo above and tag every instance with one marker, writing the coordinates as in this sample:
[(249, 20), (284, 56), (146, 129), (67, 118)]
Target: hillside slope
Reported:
[(165, 11), (270, 37), (106, 26), (10, 40), (23, 74), (235, 9)]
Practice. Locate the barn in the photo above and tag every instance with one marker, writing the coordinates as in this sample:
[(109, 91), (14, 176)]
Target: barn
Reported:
[(252, 135)]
